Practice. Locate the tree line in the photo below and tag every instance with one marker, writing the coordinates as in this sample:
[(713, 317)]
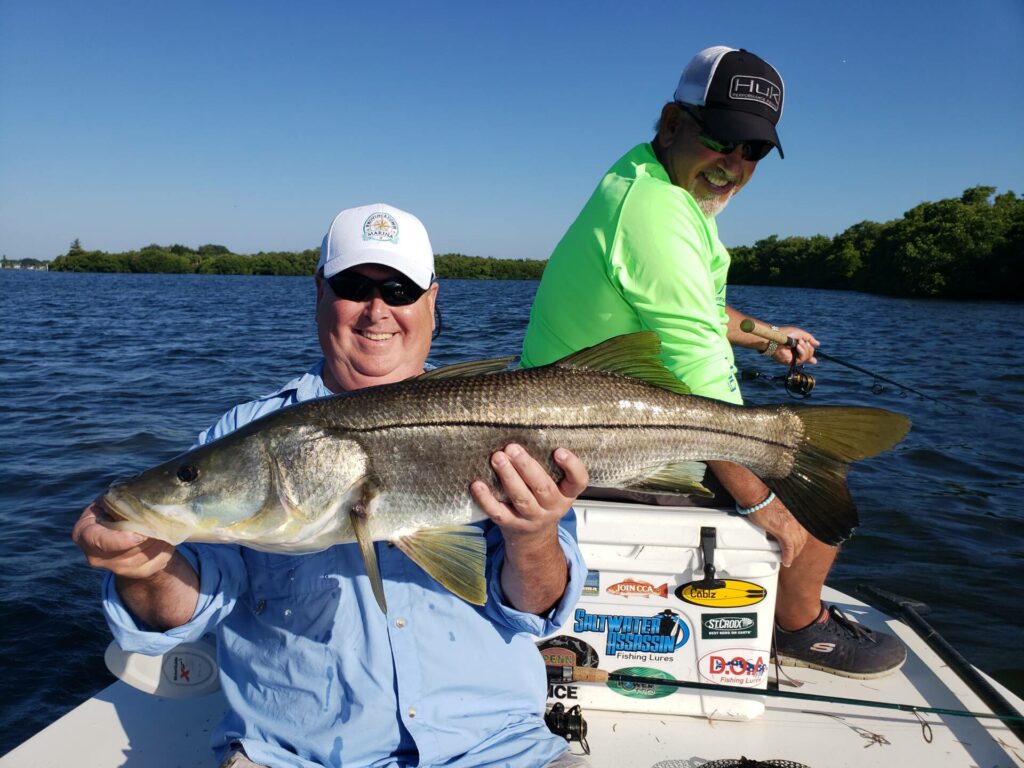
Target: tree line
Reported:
[(971, 247), (218, 260)]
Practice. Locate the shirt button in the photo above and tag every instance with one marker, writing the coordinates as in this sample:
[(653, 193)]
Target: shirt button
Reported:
[(400, 623), (412, 711)]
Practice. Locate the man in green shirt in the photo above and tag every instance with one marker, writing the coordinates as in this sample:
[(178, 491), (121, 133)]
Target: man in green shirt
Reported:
[(644, 254)]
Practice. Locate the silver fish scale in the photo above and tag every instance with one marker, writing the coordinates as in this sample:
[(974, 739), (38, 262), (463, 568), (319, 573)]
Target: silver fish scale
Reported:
[(426, 441)]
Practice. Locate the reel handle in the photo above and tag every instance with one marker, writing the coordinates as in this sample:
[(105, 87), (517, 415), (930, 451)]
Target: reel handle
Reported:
[(765, 332)]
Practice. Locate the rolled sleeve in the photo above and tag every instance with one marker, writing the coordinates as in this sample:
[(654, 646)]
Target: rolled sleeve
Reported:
[(222, 577), (531, 623)]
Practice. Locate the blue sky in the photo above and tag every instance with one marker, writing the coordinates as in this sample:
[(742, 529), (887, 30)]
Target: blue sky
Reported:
[(250, 124)]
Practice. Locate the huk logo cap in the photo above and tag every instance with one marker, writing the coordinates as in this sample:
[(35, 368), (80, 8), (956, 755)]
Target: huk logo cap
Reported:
[(740, 94), (378, 234)]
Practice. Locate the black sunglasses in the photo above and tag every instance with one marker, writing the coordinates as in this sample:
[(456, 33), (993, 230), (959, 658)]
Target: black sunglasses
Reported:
[(397, 291), (752, 150)]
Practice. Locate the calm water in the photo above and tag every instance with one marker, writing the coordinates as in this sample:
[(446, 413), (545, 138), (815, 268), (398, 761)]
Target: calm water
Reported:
[(107, 374)]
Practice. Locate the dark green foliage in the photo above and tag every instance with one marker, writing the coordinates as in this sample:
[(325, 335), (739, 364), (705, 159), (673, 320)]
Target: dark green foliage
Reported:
[(456, 265), (218, 260), (971, 247), (966, 248)]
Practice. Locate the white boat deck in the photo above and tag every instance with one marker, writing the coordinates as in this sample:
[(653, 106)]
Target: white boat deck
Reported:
[(122, 726)]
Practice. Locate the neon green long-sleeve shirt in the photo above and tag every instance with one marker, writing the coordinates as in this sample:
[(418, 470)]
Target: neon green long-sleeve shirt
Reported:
[(640, 256)]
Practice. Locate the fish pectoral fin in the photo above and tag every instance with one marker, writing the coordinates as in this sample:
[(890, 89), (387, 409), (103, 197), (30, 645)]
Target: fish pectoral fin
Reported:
[(279, 489), (681, 478), (470, 368), (637, 355), (362, 531), (455, 555)]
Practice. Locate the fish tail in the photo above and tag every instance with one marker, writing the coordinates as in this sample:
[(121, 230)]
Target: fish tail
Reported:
[(815, 491)]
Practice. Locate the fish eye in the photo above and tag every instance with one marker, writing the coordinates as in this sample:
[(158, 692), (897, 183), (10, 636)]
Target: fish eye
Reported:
[(188, 472)]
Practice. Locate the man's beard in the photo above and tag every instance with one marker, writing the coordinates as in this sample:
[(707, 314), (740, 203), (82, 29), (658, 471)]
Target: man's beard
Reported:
[(712, 205)]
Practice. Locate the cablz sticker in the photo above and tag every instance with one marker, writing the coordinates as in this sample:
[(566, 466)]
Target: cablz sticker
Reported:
[(664, 633), (642, 690), (634, 587), (728, 625), (734, 594), (733, 666)]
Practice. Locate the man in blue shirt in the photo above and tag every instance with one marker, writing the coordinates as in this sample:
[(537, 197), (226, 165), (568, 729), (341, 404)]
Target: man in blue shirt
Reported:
[(314, 672)]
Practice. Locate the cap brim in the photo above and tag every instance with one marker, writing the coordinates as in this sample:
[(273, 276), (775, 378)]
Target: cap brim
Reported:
[(733, 126), (381, 256)]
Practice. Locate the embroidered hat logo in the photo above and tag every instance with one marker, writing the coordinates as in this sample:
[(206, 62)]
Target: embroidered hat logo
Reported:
[(750, 88), (381, 226)]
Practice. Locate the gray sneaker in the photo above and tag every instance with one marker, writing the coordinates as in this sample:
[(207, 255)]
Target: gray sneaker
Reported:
[(839, 646)]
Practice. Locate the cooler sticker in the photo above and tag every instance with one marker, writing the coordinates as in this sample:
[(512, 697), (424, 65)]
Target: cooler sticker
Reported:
[(733, 666), (633, 587), (381, 226), (592, 586), (715, 626), (642, 690), (566, 651), (562, 691), (637, 638), (734, 594)]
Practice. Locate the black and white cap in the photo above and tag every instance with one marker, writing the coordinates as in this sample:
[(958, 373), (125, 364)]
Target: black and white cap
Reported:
[(740, 94)]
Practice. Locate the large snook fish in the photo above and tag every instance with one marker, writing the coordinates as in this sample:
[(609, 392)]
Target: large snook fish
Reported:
[(395, 462)]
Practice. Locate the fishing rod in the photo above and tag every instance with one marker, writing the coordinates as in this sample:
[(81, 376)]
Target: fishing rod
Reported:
[(801, 383), (567, 674), (910, 612)]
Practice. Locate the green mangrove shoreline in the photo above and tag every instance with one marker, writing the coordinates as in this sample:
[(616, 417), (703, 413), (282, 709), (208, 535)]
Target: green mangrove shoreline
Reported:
[(971, 247)]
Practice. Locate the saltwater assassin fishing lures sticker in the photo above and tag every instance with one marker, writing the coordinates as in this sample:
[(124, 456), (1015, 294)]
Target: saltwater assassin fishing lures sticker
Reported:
[(637, 638)]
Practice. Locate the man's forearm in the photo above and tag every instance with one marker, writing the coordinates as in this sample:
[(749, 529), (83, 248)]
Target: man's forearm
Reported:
[(744, 486), (164, 600), (534, 574), (740, 338)]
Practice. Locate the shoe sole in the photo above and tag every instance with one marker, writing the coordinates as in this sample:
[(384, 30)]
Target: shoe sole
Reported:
[(789, 661)]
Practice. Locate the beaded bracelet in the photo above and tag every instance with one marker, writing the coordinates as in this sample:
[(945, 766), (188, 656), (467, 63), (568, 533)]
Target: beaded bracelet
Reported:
[(760, 505)]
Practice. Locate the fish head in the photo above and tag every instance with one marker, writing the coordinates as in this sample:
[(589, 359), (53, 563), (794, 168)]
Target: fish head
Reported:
[(273, 488), (213, 486)]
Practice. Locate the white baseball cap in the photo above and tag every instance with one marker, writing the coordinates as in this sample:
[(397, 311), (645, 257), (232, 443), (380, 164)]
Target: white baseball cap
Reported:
[(378, 234)]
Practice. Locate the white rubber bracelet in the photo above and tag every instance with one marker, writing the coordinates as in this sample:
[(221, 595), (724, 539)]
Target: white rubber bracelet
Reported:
[(760, 505)]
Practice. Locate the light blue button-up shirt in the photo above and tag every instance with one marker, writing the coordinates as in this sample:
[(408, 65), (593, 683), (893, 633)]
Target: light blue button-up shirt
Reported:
[(316, 675)]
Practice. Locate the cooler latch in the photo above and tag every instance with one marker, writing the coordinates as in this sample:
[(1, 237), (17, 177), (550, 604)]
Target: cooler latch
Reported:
[(708, 537)]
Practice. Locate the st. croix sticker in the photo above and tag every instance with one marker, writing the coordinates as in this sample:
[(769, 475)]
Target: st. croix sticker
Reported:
[(642, 690), (735, 594)]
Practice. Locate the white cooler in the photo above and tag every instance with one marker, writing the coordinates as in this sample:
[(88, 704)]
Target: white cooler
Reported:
[(649, 610)]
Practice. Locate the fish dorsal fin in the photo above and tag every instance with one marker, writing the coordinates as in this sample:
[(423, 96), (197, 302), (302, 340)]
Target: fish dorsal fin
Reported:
[(455, 555), (469, 368), (637, 355)]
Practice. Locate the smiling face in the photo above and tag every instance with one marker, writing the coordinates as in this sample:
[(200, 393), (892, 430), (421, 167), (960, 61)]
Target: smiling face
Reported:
[(711, 177), (366, 343)]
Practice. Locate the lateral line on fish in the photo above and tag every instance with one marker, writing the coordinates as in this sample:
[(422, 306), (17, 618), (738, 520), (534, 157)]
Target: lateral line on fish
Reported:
[(527, 425)]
